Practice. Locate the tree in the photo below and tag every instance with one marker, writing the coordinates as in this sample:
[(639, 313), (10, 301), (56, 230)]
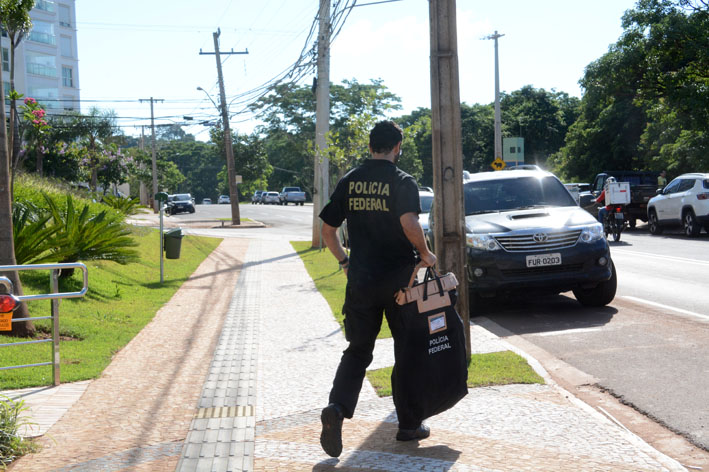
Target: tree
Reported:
[(15, 19), (97, 131), (7, 245), (645, 104)]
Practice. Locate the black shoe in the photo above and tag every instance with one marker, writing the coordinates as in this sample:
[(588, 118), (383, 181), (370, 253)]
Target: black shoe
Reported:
[(422, 432), (331, 436)]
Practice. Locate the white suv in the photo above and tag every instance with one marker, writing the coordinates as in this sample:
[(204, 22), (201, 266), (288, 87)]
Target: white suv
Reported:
[(683, 202)]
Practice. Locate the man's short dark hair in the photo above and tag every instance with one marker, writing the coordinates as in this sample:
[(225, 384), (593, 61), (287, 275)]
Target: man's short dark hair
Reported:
[(384, 136)]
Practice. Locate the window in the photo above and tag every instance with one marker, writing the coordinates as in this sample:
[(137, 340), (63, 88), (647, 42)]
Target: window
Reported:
[(64, 16), (686, 184), (42, 32), (512, 150), (68, 101), (65, 46), (672, 187), (41, 64), (45, 5), (5, 60), (67, 77)]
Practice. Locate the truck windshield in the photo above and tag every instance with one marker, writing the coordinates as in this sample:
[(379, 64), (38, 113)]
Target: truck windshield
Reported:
[(487, 196)]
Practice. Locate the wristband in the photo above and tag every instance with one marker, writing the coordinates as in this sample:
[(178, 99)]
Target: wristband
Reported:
[(344, 261)]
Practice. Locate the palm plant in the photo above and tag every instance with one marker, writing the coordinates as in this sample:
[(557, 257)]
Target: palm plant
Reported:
[(127, 206), (83, 237), (35, 238)]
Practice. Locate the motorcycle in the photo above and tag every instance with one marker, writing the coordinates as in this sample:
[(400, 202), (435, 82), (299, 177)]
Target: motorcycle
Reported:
[(615, 221)]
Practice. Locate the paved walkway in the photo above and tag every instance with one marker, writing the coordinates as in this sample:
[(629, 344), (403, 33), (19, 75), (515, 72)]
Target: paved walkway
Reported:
[(239, 385)]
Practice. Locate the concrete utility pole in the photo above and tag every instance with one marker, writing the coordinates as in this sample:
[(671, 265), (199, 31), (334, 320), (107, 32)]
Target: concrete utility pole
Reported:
[(156, 203), (448, 212), (321, 165), (498, 124), (229, 149), (143, 189)]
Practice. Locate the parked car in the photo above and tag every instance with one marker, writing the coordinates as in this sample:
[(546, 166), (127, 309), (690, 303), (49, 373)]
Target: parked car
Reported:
[(683, 202), (179, 203), (206, 201), (223, 199), (526, 234), (271, 198), (292, 195), (426, 199), (256, 197)]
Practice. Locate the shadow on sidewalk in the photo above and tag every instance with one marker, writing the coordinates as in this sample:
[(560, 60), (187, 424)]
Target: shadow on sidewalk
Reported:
[(381, 448)]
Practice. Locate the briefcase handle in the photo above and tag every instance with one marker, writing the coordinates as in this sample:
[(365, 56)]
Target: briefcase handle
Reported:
[(419, 266)]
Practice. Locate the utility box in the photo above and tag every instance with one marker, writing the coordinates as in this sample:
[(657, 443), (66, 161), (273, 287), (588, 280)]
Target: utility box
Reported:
[(617, 193), (172, 240)]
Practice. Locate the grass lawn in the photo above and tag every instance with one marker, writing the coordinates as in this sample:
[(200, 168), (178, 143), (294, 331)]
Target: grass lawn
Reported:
[(121, 300), (498, 368)]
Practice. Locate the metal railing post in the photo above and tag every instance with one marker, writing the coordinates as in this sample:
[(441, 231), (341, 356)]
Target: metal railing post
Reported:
[(56, 377)]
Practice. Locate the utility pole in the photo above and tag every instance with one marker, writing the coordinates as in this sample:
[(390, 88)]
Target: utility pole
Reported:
[(321, 166), (229, 149), (448, 213), (498, 124), (143, 189), (156, 203)]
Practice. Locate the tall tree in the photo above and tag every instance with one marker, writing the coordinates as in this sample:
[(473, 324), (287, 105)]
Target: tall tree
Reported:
[(7, 244), (97, 130), (15, 19), (645, 104)]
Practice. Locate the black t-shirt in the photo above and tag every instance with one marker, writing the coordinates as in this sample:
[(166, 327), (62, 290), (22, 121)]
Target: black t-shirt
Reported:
[(372, 197)]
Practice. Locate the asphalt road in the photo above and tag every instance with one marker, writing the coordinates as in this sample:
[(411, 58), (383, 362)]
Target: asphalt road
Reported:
[(650, 347)]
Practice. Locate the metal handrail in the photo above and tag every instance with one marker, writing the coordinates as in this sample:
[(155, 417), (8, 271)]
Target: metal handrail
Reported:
[(51, 296), (55, 296)]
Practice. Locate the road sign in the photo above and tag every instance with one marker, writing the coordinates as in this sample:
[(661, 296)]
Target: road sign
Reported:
[(498, 164)]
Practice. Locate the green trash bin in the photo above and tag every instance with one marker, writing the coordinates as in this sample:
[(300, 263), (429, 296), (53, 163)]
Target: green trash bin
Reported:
[(172, 242)]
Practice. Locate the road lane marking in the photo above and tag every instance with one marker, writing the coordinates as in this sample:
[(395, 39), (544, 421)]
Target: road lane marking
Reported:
[(666, 307), (569, 331), (658, 256)]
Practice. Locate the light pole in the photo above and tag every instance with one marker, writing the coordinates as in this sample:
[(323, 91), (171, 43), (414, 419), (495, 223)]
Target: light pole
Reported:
[(498, 126)]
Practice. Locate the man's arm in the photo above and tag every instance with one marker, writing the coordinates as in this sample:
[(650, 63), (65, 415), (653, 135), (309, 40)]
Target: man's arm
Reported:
[(414, 233), (329, 235)]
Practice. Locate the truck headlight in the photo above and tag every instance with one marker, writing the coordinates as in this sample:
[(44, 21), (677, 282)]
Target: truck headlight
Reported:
[(484, 242), (592, 233)]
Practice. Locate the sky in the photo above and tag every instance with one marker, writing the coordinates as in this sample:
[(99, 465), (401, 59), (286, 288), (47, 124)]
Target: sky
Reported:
[(131, 50)]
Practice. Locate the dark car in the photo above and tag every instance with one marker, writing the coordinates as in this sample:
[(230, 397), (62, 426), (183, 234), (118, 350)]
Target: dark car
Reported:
[(180, 203), (526, 234)]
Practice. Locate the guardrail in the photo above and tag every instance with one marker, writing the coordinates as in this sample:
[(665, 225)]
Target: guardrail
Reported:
[(54, 296)]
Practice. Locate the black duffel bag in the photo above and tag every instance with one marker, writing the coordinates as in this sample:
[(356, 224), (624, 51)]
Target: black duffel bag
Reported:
[(430, 374)]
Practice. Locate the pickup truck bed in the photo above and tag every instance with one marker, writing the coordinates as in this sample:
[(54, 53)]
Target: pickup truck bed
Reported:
[(643, 186)]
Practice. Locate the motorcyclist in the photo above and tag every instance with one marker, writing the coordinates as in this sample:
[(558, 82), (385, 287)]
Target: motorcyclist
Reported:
[(603, 211)]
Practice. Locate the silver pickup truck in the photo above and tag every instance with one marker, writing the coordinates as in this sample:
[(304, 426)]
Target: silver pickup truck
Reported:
[(292, 195)]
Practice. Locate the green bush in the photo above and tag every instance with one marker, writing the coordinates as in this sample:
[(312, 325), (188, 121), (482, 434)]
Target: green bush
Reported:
[(33, 234), (83, 237), (127, 206), (12, 445)]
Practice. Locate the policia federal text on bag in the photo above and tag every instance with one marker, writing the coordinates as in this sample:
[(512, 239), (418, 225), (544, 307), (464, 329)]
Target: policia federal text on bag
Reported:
[(431, 374)]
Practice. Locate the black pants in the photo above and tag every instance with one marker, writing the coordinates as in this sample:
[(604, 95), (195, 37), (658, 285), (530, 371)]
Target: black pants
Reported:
[(367, 298)]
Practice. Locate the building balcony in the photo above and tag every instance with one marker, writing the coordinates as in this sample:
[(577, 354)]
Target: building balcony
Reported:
[(45, 5), (42, 38), (41, 69)]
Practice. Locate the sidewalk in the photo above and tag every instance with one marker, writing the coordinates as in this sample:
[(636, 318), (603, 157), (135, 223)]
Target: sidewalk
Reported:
[(234, 370)]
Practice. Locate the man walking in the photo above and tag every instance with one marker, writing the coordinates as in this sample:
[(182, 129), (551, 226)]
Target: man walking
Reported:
[(381, 205)]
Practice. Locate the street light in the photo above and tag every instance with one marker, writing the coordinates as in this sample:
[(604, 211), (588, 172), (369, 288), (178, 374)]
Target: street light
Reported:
[(209, 97)]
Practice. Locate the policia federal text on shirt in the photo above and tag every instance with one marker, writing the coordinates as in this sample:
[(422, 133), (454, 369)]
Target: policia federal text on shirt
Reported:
[(381, 205)]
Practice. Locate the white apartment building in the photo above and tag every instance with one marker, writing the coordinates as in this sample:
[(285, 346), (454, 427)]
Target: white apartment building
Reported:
[(46, 61)]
